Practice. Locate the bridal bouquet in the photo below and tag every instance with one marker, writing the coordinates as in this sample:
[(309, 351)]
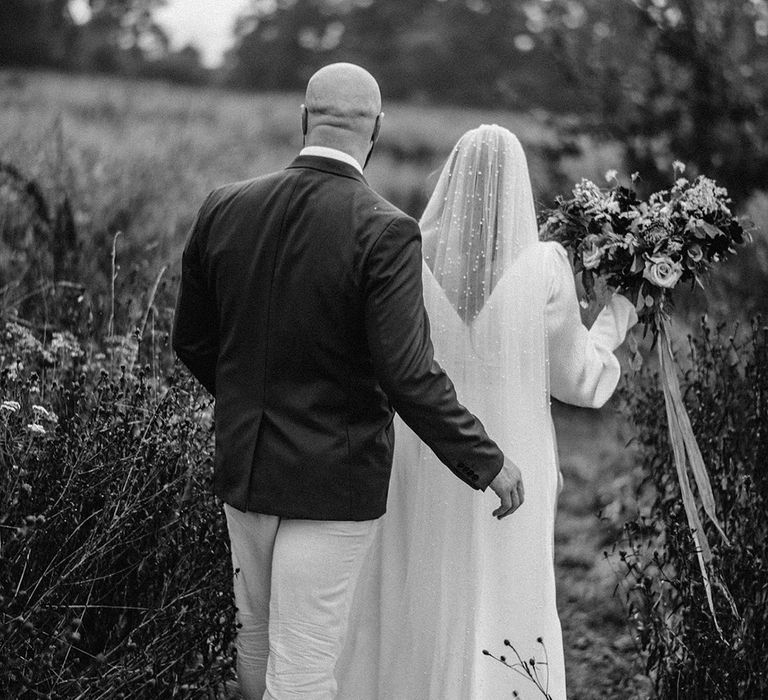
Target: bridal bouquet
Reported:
[(645, 249)]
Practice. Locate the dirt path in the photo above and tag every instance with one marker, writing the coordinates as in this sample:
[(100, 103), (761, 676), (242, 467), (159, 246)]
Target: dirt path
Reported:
[(602, 660)]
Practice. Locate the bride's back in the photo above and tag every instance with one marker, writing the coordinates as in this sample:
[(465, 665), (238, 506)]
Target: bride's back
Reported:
[(485, 282)]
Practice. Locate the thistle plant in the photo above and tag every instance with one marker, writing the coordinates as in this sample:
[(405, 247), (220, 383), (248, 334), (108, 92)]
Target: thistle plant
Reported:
[(531, 669)]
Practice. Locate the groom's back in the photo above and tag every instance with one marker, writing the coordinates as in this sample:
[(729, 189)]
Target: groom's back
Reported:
[(302, 425)]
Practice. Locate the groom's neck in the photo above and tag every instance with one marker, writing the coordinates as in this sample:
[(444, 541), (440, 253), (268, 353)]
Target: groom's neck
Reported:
[(349, 143)]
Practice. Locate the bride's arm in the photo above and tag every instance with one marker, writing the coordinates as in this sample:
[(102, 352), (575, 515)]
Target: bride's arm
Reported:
[(583, 368)]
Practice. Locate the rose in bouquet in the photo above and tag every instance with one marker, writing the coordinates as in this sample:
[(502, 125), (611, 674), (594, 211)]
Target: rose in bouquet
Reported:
[(646, 248)]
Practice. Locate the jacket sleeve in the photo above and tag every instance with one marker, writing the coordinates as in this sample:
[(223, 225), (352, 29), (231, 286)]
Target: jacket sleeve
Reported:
[(401, 349), (195, 323)]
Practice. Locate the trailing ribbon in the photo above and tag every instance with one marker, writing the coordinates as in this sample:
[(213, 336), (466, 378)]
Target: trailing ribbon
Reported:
[(686, 451)]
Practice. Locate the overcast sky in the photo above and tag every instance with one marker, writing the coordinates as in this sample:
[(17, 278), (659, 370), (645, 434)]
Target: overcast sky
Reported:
[(206, 23)]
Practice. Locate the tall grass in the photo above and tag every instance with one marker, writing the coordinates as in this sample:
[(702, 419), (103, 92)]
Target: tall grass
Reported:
[(115, 578), (139, 157), (687, 654)]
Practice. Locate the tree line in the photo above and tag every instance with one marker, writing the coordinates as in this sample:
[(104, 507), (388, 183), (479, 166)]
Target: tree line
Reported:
[(671, 79), (119, 36)]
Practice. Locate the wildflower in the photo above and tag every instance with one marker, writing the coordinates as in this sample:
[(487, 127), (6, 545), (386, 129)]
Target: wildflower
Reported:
[(662, 271), (66, 342), (704, 197), (65, 345), (36, 429), (42, 412), (11, 406), (611, 175), (588, 194), (612, 207), (630, 243), (678, 167), (12, 369), (554, 222), (656, 232), (695, 253), (592, 254), (22, 338), (594, 201)]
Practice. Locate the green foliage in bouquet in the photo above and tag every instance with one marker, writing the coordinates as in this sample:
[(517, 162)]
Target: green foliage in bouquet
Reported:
[(645, 248), (114, 573), (726, 393)]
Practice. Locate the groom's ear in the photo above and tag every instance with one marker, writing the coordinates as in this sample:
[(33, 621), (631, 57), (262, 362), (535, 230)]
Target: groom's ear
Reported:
[(304, 119), (376, 127)]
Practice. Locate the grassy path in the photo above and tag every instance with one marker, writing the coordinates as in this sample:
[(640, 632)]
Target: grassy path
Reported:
[(601, 658), (602, 662)]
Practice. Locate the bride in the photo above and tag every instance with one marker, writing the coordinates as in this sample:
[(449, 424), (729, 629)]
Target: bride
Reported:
[(442, 585)]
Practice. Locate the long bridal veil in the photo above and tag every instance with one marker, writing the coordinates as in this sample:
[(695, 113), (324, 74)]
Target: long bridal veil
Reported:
[(480, 244), (448, 580), (485, 289)]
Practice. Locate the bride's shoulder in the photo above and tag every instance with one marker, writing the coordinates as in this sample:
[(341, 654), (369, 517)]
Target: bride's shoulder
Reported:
[(550, 253), (549, 261), (553, 250), (556, 260)]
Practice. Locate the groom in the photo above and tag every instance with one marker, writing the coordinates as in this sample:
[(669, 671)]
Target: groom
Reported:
[(301, 311)]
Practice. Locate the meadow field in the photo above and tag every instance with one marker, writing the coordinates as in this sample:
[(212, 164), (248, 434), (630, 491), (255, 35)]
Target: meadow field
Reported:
[(137, 158)]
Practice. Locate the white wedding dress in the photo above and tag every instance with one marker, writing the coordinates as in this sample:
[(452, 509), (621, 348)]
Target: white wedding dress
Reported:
[(445, 579)]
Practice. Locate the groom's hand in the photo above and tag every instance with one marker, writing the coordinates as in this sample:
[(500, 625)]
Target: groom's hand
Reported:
[(508, 486)]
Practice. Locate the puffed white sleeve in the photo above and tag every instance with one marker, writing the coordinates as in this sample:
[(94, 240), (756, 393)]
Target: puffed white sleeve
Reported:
[(583, 369)]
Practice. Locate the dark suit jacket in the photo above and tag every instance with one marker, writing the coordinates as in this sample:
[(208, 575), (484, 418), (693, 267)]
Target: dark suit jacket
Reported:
[(301, 310)]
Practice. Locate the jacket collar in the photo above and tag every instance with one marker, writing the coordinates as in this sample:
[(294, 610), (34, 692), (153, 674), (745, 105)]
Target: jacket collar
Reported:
[(327, 152), (328, 165)]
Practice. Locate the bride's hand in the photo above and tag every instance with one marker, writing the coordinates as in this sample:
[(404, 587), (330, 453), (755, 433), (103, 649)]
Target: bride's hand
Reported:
[(508, 486)]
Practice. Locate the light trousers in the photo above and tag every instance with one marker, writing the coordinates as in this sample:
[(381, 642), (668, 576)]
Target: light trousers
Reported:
[(294, 581)]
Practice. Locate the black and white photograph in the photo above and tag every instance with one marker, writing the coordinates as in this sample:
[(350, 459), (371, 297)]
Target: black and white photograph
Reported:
[(384, 349)]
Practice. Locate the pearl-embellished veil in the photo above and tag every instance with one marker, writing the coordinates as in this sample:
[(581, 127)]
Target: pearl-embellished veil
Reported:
[(480, 241), (479, 218)]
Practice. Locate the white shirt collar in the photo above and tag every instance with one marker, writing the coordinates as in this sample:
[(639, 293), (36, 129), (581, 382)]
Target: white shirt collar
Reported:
[(325, 152)]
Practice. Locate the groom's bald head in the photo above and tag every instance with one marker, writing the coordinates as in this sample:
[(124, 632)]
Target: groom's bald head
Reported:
[(342, 108), (343, 92)]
